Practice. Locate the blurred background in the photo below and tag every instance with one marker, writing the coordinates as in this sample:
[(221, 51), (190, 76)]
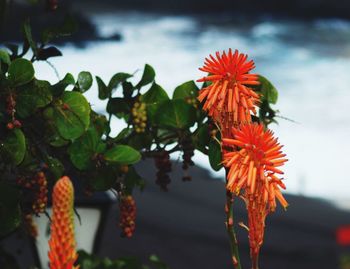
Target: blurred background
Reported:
[(303, 47)]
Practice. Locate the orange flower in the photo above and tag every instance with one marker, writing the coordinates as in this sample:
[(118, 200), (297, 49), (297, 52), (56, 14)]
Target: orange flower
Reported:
[(253, 165), (62, 254), (257, 160), (229, 97)]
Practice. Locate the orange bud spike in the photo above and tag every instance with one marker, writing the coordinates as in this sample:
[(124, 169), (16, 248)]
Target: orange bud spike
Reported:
[(62, 253)]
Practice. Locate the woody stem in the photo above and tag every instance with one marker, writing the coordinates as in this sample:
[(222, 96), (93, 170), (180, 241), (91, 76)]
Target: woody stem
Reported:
[(231, 232)]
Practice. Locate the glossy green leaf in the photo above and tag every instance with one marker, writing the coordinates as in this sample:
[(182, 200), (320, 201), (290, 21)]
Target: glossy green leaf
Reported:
[(59, 87), (214, 155), (132, 180), (4, 57), (84, 81), (155, 94), (122, 154), (118, 107), (33, 96), (82, 150), (14, 146), (55, 167), (10, 213), (176, 114), (128, 89), (28, 36), (147, 76), (103, 92), (102, 178), (201, 138), (269, 92), (185, 90), (72, 116), (46, 53), (21, 71), (153, 98), (117, 79)]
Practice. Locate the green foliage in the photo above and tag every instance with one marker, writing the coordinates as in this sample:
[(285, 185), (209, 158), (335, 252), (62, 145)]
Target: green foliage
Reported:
[(185, 90), (268, 91), (214, 155), (84, 81), (175, 114), (268, 97), (36, 94), (52, 128), (13, 147), (122, 154), (70, 114), (147, 76), (21, 71)]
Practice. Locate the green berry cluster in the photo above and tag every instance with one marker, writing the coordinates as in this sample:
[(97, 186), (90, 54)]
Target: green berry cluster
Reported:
[(139, 116)]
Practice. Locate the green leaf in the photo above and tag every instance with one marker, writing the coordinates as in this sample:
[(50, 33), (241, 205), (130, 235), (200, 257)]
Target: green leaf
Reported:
[(214, 155), (4, 57), (117, 79), (147, 76), (140, 140), (118, 107), (60, 86), (10, 213), (128, 89), (155, 94), (14, 146), (269, 92), (153, 98), (55, 166), (176, 114), (46, 53), (72, 116), (201, 138), (33, 96), (123, 134), (28, 36), (21, 71), (103, 177), (82, 150), (133, 179), (103, 92), (122, 154), (84, 81), (185, 90)]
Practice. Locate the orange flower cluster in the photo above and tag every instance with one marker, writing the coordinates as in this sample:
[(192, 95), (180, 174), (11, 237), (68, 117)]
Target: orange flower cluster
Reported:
[(229, 98), (253, 165), (251, 154), (62, 254)]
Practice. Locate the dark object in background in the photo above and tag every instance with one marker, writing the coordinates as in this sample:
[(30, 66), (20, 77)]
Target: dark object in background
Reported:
[(83, 30), (185, 228)]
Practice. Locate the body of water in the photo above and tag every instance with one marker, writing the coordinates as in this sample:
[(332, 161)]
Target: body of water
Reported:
[(308, 62)]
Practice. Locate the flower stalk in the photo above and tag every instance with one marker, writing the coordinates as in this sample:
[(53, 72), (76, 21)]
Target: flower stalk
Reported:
[(231, 231)]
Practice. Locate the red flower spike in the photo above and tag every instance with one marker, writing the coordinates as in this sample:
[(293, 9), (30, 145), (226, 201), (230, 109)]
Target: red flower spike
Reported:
[(62, 254), (229, 98), (252, 173)]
